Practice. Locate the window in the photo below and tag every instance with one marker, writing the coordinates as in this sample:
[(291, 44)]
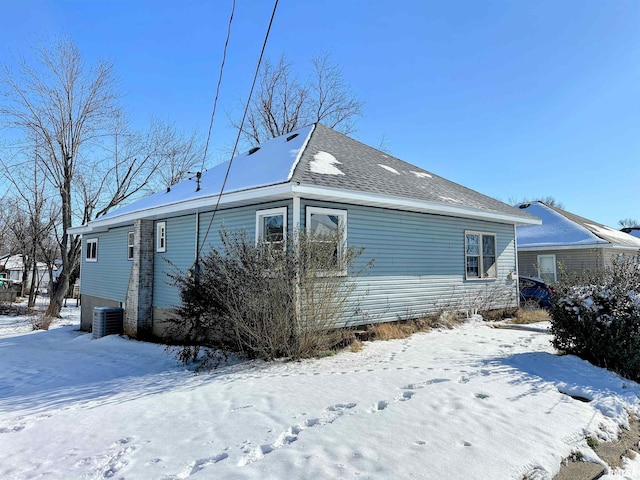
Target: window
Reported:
[(547, 268), (161, 237), (327, 229), (480, 255), (271, 226), (130, 242), (92, 250)]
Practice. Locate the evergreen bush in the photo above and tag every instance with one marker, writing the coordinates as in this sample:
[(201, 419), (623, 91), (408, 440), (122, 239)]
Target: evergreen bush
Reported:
[(600, 321)]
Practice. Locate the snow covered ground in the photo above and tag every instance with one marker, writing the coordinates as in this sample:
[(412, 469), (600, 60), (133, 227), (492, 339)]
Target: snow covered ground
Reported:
[(469, 403)]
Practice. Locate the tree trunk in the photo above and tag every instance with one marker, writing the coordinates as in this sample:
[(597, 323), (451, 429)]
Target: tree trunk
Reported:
[(34, 284)]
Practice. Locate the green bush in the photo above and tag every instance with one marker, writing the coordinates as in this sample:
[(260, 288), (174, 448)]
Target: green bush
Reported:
[(265, 300), (600, 321)]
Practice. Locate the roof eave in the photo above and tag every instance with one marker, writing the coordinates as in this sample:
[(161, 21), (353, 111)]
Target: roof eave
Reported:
[(408, 204), (269, 193)]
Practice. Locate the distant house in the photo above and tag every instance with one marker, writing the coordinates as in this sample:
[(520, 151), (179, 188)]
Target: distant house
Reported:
[(436, 244), (565, 242), (635, 231), (12, 268)]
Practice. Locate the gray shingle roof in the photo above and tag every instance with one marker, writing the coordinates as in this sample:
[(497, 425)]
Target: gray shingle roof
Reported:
[(366, 169)]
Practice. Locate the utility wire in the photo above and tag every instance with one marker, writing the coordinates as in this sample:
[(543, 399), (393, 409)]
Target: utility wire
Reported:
[(215, 101), (244, 116)]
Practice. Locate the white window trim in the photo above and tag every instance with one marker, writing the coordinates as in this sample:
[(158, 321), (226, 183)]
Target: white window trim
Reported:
[(270, 212), (480, 263), (91, 241), (130, 245), (161, 237), (555, 265), (342, 225)]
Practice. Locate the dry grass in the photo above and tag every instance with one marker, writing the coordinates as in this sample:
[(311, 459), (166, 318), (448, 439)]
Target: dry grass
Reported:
[(356, 346), (41, 321), (406, 328), (524, 316)]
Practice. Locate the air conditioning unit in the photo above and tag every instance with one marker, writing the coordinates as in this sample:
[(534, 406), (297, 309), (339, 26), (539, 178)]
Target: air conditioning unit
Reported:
[(107, 321)]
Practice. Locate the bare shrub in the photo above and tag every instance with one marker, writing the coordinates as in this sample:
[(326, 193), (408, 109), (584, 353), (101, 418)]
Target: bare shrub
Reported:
[(41, 321), (265, 301)]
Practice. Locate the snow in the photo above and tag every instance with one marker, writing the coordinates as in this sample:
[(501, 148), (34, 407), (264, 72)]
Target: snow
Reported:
[(556, 230), (621, 237), (421, 174), (389, 169), (472, 402), (325, 164), (271, 164)]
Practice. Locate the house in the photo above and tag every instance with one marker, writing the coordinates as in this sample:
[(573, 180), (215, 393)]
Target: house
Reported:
[(635, 231), (12, 268), (436, 244), (567, 243)]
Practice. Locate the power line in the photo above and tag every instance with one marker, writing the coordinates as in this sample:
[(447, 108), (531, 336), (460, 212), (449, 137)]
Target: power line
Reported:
[(244, 116), (215, 101)]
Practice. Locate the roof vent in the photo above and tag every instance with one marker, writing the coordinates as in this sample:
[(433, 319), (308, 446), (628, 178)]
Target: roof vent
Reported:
[(291, 137), (253, 150), (524, 205)]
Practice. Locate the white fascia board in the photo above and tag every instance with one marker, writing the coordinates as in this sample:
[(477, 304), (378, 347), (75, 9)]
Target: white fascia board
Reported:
[(407, 204), (274, 192), (587, 246)]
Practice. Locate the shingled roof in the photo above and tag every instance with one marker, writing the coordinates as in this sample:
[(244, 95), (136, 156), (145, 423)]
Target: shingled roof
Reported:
[(317, 162), (560, 228)]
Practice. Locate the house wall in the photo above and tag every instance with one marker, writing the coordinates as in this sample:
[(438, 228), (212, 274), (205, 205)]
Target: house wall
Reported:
[(419, 265), (571, 261), (418, 262)]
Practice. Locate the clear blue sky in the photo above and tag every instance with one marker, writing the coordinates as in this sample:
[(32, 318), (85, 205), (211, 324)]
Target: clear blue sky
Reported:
[(512, 98)]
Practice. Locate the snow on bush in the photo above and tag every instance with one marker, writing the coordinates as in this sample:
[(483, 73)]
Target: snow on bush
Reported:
[(600, 322)]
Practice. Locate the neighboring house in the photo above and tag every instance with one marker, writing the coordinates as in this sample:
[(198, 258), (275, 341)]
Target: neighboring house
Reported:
[(436, 244), (568, 243), (12, 268), (635, 231)]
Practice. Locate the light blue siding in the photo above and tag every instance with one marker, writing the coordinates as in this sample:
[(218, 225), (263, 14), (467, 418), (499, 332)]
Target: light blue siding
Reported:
[(419, 264), (109, 276), (181, 246)]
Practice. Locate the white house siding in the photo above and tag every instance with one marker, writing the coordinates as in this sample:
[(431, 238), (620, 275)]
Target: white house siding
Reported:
[(419, 264)]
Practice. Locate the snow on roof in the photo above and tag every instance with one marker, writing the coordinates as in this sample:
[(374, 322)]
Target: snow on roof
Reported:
[(325, 164), (389, 169), (271, 163), (556, 229), (561, 228)]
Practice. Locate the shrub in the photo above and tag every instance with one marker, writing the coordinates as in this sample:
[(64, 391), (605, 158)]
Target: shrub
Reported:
[(264, 301), (600, 321)]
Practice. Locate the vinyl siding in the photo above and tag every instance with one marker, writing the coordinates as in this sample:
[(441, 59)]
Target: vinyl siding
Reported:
[(108, 277), (181, 246), (567, 261), (419, 264)]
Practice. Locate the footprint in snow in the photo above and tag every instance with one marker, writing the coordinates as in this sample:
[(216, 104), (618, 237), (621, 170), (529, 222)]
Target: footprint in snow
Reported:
[(416, 386), (15, 428), (201, 464), (379, 405)]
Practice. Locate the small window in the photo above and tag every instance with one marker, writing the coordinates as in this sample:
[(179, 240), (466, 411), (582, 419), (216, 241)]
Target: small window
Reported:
[(480, 255), (327, 229), (92, 250), (130, 242), (271, 226), (547, 268), (161, 237)]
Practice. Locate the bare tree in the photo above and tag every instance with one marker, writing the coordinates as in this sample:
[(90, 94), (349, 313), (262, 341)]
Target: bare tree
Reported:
[(629, 223), (64, 107), (283, 102), (86, 152)]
